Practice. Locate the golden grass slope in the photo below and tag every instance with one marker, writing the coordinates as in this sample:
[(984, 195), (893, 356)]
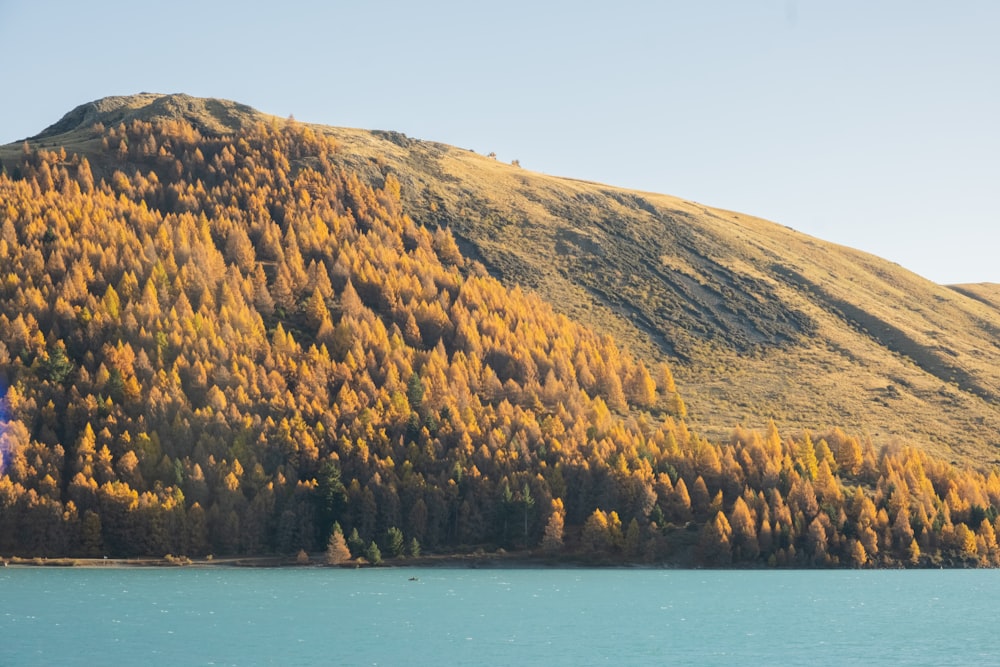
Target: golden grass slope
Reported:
[(758, 321)]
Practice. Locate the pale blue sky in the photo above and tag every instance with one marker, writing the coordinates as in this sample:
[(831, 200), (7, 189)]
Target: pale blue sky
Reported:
[(872, 124)]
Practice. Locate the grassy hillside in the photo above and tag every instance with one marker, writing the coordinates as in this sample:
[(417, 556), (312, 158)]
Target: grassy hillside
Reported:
[(220, 331), (758, 321)]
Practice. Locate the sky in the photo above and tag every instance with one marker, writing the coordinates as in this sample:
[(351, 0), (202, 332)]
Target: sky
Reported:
[(871, 124)]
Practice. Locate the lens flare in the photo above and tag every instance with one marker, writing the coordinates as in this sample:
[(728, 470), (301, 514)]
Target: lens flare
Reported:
[(4, 421)]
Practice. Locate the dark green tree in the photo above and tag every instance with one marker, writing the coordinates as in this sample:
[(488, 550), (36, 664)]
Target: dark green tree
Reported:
[(373, 554), (331, 498), (355, 544), (528, 503), (57, 367), (415, 391), (394, 542)]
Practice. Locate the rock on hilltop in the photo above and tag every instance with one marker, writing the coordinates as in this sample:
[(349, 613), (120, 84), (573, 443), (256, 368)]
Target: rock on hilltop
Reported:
[(209, 115)]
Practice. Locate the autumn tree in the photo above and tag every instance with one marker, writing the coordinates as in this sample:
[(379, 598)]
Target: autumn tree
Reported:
[(336, 548), (744, 532), (552, 540), (715, 545)]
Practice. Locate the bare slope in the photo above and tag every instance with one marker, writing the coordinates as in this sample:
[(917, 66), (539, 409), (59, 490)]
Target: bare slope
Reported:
[(759, 320)]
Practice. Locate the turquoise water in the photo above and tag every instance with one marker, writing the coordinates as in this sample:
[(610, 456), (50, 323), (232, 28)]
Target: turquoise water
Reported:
[(320, 616)]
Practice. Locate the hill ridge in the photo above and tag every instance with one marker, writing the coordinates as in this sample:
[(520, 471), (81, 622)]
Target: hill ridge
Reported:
[(270, 341), (210, 116), (760, 321)]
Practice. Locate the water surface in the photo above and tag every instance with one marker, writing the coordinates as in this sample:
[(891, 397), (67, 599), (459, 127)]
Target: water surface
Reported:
[(318, 616)]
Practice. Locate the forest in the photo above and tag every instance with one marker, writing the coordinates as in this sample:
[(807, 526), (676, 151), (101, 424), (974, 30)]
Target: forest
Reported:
[(224, 344)]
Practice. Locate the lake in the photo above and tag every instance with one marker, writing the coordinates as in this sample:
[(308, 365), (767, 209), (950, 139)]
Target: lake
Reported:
[(319, 616)]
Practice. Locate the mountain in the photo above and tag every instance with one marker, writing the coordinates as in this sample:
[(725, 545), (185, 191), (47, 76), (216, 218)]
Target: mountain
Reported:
[(758, 321), (223, 331)]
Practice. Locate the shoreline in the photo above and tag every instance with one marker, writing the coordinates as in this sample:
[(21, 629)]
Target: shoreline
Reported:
[(466, 561), (479, 559)]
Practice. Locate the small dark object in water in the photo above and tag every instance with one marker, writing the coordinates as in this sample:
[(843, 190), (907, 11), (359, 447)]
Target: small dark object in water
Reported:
[(414, 579)]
